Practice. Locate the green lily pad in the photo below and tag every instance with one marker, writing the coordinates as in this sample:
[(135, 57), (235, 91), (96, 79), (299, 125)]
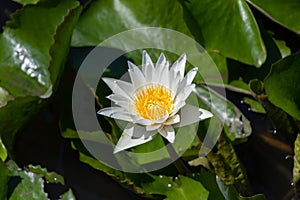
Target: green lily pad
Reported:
[(282, 85), (33, 49), (103, 19), (219, 21), (284, 12)]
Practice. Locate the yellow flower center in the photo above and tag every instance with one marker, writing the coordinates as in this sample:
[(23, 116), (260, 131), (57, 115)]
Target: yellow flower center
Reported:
[(153, 102)]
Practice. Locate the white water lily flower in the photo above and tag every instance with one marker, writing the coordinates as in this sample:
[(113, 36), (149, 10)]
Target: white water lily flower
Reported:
[(153, 102)]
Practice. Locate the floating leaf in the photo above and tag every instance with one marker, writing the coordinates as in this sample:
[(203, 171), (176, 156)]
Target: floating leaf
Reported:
[(33, 49), (282, 85), (283, 12), (219, 22), (180, 188), (103, 19)]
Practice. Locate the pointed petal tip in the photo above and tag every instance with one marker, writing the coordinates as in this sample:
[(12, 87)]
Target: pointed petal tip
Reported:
[(205, 114), (99, 112), (117, 150), (130, 65), (145, 53)]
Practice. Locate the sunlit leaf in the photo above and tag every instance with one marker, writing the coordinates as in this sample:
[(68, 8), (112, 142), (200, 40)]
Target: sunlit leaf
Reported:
[(4, 97), (25, 2), (33, 49), (68, 195), (180, 188), (255, 105), (52, 177), (25, 184), (284, 50), (3, 152)]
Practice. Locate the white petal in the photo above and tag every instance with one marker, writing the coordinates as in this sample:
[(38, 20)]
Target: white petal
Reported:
[(116, 113), (161, 120), (112, 84), (205, 114), (173, 120), (160, 65), (153, 127), (168, 133), (125, 86), (177, 106), (136, 76), (179, 65), (110, 110), (191, 75), (185, 93), (143, 121), (133, 135), (190, 114), (147, 67), (119, 100), (174, 83), (187, 80), (165, 76)]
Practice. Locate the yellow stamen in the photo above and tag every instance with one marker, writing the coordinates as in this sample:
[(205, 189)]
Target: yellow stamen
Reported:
[(153, 102)]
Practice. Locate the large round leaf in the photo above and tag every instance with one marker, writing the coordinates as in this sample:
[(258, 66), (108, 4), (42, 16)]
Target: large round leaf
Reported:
[(103, 19), (284, 12), (229, 27), (33, 49)]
